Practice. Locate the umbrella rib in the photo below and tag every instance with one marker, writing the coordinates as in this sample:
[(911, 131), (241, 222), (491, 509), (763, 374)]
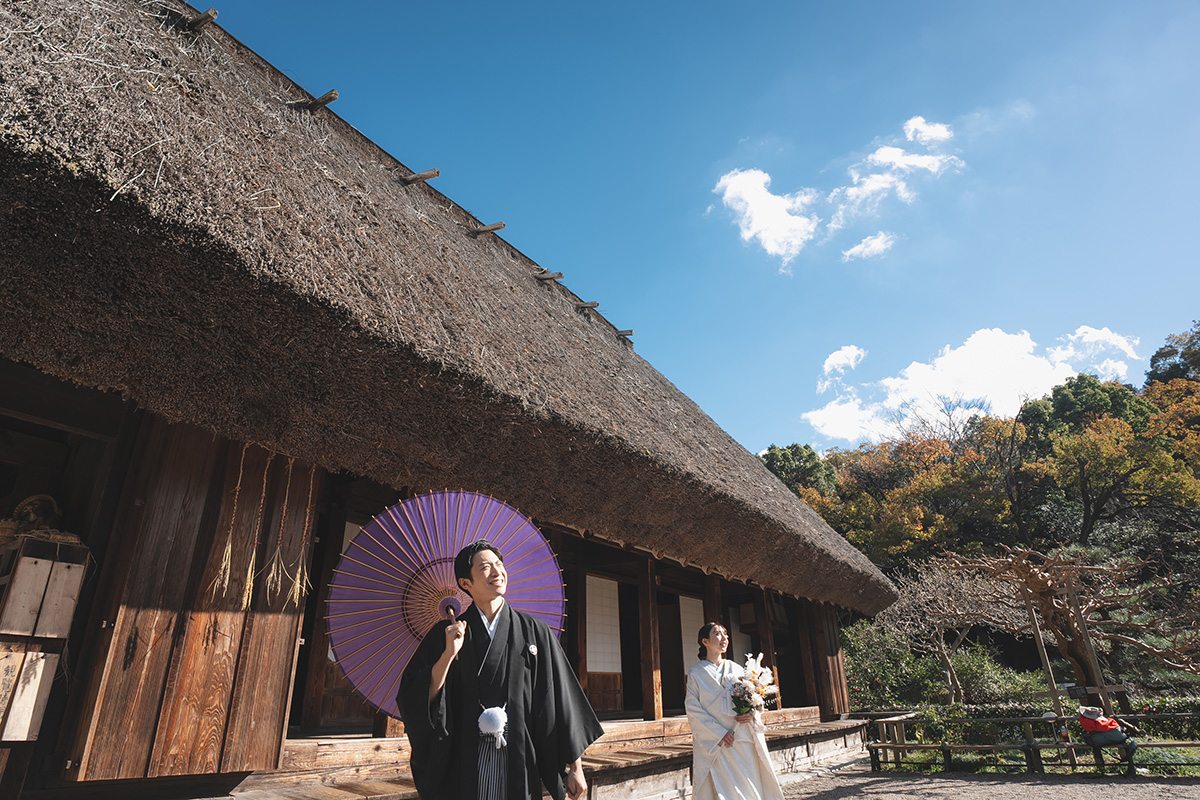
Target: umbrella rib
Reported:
[(442, 567), (488, 533), (405, 570), (521, 520), (372, 591), (539, 576), (373, 645), (350, 613), (469, 526), (543, 561), (382, 660), (384, 629), (409, 547), (356, 575), (429, 559), (378, 616), (380, 628), (352, 559)]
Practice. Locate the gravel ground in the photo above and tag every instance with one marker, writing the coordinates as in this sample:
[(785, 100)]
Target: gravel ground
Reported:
[(857, 781)]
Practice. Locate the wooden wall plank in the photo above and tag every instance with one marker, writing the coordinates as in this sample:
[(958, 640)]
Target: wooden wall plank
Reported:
[(191, 731), (178, 462), (266, 662)]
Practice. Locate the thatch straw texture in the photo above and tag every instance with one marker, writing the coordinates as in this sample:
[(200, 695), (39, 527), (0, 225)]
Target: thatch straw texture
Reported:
[(173, 225)]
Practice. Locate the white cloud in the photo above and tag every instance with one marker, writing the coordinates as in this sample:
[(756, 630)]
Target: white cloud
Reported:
[(898, 158), (927, 133), (862, 199), (1086, 341), (846, 418), (778, 222), (994, 369), (784, 224), (844, 358), (870, 247)]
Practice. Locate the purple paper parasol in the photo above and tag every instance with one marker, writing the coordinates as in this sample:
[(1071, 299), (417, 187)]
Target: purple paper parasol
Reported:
[(396, 580)]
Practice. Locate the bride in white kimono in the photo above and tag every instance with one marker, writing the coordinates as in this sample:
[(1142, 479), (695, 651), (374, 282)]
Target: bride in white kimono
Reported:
[(729, 752)]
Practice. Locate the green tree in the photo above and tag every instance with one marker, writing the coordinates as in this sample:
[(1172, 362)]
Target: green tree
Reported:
[(1178, 358), (799, 465)]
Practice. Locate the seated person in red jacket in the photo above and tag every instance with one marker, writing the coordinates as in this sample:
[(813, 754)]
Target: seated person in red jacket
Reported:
[(1102, 731)]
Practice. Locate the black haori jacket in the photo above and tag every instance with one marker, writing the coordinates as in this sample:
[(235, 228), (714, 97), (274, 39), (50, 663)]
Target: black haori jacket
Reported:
[(550, 722)]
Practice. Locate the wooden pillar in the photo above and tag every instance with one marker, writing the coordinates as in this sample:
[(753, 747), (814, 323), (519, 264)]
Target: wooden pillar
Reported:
[(808, 658), (652, 701), (766, 634), (712, 599), (327, 552), (816, 616), (831, 674), (578, 617)]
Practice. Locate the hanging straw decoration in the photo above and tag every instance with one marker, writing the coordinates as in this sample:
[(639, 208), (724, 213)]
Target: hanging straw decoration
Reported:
[(221, 582), (275, 571), (300, 583), (248, 589)]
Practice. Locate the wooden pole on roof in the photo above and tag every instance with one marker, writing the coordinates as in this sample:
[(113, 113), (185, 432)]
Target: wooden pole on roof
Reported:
[(592, 304), (421, 177), (548, 276), (323, 100), (497, 226), (625, 334), (196, 23)]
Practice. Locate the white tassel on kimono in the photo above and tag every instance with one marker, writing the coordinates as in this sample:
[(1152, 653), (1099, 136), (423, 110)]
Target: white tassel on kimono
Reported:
[(492, 723)]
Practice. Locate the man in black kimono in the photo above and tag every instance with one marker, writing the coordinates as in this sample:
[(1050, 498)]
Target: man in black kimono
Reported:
[(508, 663)]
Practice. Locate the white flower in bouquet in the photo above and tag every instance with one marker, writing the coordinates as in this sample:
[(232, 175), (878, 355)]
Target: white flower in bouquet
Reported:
[(763, 679)]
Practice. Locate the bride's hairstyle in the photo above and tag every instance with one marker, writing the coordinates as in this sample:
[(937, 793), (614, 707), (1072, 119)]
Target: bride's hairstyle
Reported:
[(705, 632)]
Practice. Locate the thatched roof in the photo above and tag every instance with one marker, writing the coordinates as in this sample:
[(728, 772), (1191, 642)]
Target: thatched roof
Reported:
[(174, 225)]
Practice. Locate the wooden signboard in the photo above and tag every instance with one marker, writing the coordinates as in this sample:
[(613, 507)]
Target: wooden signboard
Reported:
[(23, 717)]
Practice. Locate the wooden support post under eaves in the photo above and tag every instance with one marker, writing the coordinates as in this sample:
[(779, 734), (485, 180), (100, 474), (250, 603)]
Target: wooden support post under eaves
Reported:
[(766, 633), (652, 701), (803, 623), (712, 600)]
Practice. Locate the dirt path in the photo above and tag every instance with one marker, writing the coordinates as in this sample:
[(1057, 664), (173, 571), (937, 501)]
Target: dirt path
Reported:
[(857, 781)]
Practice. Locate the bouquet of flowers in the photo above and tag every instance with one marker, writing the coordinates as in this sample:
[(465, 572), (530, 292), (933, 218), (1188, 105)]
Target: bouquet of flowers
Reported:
[(746, 697), (750, 692)]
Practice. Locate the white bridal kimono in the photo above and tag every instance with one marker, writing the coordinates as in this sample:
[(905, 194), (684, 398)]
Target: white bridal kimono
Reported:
[(740, 772)]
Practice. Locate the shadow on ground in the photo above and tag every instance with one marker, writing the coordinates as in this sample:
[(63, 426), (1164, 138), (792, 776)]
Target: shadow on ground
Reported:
[(858, 781)]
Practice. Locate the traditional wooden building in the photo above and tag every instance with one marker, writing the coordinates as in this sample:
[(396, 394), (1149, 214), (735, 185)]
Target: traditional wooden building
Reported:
[(233, 329)]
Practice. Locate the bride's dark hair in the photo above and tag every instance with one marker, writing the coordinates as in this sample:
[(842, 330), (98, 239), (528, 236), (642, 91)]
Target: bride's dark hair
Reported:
[(705, 632)]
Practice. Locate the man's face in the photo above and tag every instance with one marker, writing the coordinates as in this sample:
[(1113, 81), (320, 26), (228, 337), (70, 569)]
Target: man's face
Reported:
[(489, 579)]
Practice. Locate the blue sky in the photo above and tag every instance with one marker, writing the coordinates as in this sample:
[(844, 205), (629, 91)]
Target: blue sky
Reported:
[(817, 217)]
